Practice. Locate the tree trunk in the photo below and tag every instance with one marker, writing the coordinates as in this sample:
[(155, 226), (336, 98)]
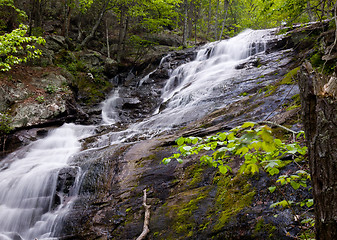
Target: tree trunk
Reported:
[(185, 24), (209, 17), (216, 20), (226, 6), (311, 16), (94, 29), (319, 106)]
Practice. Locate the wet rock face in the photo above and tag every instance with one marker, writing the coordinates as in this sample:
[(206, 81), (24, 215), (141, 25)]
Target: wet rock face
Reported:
[(137, 102), (65, 185), (188, 201)]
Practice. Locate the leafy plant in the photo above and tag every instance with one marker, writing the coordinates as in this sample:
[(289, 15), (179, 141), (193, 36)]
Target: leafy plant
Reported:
[(40, 99), (51, 89), (5, 121), (259, 150), (16, 48)]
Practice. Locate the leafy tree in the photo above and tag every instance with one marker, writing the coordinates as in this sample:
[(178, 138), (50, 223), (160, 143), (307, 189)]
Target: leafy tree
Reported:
[(16, 47)]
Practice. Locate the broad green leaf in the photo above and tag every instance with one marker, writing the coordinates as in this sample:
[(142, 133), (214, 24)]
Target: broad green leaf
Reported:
[(310, 202), (295, 185), (274, 171), (180, 141), (248, 124), (272, 189), (242, 151)]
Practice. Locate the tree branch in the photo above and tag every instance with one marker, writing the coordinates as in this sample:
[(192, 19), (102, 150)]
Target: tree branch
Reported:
[(146, 229)]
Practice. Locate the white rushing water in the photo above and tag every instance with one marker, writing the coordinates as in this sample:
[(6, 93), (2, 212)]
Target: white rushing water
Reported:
[(109, 113), (192, 89), (28, 177), (28, 184)]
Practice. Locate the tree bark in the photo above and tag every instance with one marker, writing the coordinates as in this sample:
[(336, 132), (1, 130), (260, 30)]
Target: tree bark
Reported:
[(216, 20), (226, 6), (185, 24), (209, 18), (319, 106), (95, 27)]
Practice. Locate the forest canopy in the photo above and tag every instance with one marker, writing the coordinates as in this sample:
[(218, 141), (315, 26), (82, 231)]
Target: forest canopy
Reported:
[(131, 24)]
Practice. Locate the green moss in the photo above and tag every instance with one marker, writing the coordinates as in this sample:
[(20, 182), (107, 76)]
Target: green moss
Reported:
[(316, 60), (197, 176), (294, 104), (262, 228), (289, 77), (233, 195), (183, 222), (243, 94)]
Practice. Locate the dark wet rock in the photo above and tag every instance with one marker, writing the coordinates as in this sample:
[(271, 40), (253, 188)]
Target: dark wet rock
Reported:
[(55, 43), (66, 185), (110, 68), (165, 39)]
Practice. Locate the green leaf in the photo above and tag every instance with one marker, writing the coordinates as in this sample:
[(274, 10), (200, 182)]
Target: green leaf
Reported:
[(310, 202), (187, 148), (253, 168), (242, 151), (272, 189), (295, 185), (274, 171), (282, 203), (180, 141), (223, 169), (166, 160), (248, 124)]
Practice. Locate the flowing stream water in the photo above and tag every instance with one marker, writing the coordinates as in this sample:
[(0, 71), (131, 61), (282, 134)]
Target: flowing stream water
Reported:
[(29, 208)]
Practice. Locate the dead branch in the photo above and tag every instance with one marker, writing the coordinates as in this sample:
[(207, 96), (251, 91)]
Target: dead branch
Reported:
[(146, 229)]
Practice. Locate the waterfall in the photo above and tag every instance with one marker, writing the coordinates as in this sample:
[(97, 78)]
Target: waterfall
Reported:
[(31, 205), (205, 84), (28, 182)]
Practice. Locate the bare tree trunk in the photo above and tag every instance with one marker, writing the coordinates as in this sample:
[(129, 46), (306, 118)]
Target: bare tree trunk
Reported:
[(94, 29), (32, 3), (209, 17), (226, 6), (319, 106), (216, 20), (311, 17), (185, 24), (107, 38), (146, 229)]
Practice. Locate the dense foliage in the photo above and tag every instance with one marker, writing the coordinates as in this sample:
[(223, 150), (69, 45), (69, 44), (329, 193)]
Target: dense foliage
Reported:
[(15, 46), (128, 25)]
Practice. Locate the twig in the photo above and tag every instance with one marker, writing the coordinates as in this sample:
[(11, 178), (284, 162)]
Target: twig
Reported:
[(278, 125), (146, 229)]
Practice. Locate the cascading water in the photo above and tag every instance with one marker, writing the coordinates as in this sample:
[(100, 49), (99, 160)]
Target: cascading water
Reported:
[(109, 114), (198, 87), (28, 179)]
